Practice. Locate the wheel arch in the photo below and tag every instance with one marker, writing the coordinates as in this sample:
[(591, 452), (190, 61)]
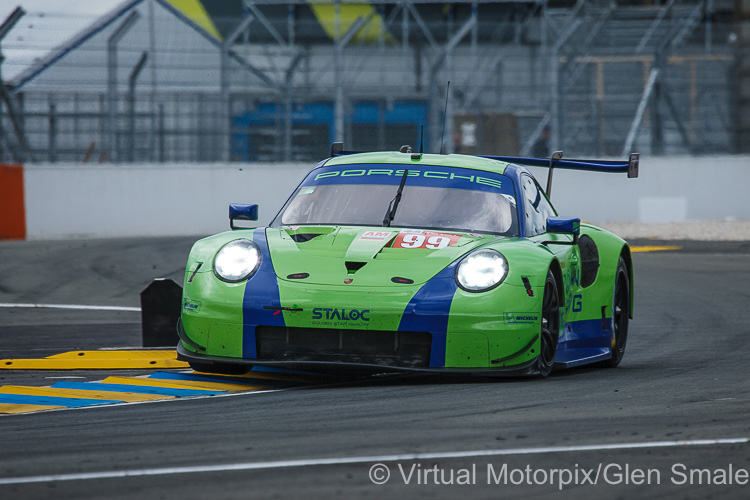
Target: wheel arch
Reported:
[(628, 258), (556, 269), (611, 249)]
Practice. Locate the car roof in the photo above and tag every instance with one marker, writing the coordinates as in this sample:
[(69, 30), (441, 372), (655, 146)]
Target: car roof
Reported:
[(393, 157)]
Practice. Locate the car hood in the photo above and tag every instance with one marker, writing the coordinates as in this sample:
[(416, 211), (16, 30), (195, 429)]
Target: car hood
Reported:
[(365, 256)]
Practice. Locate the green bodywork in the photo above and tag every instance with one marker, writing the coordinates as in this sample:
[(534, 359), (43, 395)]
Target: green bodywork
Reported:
[(493, 330)]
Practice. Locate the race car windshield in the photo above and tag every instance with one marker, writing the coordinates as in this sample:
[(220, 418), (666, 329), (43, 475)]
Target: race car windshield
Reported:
[(459, 204)]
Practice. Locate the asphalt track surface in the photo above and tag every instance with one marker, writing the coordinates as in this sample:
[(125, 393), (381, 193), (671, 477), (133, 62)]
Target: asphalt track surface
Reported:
[(684, 383)]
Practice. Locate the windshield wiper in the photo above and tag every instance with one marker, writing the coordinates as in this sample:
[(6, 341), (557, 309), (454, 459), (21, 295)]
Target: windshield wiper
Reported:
[(390, 214)]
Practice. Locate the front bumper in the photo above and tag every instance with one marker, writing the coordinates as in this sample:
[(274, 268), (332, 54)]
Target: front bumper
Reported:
[(526, 369)]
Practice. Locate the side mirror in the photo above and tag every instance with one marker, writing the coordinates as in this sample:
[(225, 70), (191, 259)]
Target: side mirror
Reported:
[(564, 225), (241, 211)]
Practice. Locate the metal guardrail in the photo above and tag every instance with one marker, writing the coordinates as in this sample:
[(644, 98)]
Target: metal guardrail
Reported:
[(277, 99)]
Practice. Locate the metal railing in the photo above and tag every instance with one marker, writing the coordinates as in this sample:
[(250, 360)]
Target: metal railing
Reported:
[(604, 79)]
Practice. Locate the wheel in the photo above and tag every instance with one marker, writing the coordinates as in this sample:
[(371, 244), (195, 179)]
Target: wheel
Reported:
[(222, 368), (620, 314), (550, 332)]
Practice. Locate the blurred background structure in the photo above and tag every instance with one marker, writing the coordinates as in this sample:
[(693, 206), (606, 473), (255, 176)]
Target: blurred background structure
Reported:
[(247, 81)]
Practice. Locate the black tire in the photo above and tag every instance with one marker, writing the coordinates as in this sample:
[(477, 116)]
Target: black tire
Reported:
[(620, 314), (549, 335), (220, 368)]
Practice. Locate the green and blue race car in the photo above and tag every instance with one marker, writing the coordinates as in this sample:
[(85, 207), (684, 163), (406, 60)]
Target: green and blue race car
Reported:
[(399, 261)]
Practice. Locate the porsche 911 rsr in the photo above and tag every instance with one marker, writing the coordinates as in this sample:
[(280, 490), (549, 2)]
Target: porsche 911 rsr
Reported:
[(397, 261)]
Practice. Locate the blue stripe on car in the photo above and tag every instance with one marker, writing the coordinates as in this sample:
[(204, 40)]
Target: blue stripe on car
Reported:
[(261, 290), (513, 173), (429, 309), (419, 175), (584, 339)]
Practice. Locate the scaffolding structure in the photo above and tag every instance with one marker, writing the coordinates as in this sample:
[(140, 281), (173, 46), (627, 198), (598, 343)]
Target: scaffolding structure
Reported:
[(284, 79)]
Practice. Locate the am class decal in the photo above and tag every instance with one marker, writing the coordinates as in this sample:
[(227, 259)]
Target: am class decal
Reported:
[(376, 235)]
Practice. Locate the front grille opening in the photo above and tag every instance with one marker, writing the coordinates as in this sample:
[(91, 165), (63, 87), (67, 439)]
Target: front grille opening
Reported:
[(385, 348)]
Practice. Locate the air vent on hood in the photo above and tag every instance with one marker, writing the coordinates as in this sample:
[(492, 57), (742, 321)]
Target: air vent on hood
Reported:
[(301, 238), (353, 267)]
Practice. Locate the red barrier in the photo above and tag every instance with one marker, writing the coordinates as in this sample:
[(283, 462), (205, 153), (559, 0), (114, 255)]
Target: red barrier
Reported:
[(12, 209)]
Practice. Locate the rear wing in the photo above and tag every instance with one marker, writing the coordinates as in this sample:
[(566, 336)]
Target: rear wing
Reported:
[(629, 166)]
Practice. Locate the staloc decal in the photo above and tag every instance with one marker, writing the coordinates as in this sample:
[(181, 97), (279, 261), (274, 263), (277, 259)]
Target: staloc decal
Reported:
[(340, 314)]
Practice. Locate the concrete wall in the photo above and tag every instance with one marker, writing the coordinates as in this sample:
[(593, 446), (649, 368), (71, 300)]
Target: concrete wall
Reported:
[(64, 201), (104, 201), (667, 190)]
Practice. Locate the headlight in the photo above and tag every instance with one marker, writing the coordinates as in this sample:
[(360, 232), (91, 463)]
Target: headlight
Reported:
[(482, 271), (237, 261)]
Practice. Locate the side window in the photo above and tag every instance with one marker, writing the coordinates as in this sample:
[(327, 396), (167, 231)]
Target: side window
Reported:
[(537, 207), (545, 207)]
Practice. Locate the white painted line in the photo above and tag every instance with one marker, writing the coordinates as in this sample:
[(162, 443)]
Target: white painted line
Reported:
[(359, 460), (70, 306)]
